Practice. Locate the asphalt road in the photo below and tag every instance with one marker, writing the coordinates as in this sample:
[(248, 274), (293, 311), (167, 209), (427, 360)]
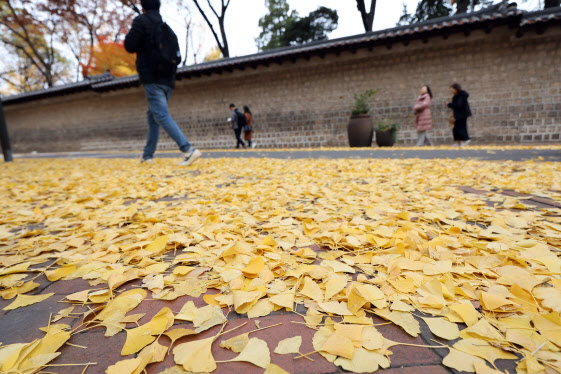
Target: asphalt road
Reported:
[(539, 154)]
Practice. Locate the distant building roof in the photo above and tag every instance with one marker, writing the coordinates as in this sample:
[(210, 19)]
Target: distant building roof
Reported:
[(485, 19)]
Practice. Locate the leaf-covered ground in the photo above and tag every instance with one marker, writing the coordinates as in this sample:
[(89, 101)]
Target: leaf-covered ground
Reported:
[(177, 266)]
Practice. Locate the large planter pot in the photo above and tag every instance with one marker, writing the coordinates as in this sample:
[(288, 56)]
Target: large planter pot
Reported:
[(385, 138), (360, 131)]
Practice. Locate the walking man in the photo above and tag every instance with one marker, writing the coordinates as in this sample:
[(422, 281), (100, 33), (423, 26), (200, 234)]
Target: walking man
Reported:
[(238, 123), (157, 58)]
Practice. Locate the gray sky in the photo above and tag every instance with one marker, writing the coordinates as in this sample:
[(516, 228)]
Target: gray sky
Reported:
[(242, 19)]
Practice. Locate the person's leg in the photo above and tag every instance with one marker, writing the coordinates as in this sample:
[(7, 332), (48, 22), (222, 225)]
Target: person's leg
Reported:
[(456, 132), (420, 138), (428, 139), (158, 96), (152, 138), (239, 140)]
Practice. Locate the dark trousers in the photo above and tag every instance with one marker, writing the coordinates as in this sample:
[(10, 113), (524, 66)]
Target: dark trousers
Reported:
[(460, 130), (239, 140)]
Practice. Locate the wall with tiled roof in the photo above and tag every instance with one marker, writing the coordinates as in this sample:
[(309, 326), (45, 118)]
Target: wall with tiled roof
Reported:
[(509, 61)]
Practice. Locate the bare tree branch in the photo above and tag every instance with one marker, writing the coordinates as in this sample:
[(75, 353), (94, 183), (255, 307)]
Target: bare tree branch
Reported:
[(222, 44)]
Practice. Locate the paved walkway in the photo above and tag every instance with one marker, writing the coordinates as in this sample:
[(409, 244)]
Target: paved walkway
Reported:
[(23, 325), (552, 153)]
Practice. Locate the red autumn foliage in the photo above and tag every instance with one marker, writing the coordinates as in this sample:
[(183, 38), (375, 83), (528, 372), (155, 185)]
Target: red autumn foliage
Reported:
[(110, 56)]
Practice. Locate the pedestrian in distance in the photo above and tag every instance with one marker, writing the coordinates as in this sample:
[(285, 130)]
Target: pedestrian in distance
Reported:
[(238, 122), (157, 57), (423, 116), (248, 128), (462, 111)]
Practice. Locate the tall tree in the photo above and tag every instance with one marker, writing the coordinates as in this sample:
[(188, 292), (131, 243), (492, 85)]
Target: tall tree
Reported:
[(273, 24), (429, 9), (311, 28), (29, 30), (283, 28), (406, 17), (463, 6), (367, 16), (222, 41), (87, 22)]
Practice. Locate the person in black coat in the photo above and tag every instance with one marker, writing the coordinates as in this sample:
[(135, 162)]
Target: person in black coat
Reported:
[(158, 85), (462, 111)]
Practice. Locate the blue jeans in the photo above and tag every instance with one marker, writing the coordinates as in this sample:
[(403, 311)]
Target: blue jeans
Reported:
[(158, 96), (239, 140)]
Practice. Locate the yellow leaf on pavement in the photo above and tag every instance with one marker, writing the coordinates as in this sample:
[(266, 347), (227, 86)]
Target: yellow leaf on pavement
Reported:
[(25, 300), (442, 328), (289, 345), (462, 361), (195, 356)]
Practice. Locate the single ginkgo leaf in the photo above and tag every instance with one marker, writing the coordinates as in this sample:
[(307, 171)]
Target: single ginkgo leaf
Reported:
[(187, 312), (442, 328), (195, 356), (290, 345), (482, 368), (125, 366), (155, 351), (140, 337), (262, 308), (54, 275), (207, 317), (274, 369), (363, 361), (482, 349), (237, 343), (339, 345), (158, 245), (256, 352), (63, 314), (25, 300), (178, 334), (13, 292), (402, 319), (371, 338), (312, 290), (461, 361)]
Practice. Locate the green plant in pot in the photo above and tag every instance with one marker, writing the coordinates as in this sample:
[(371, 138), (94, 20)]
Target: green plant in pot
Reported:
[(360, 129), (386, 132)]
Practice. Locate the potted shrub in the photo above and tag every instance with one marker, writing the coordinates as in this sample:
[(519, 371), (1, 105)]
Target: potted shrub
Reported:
[(360, 129), (386, 133)]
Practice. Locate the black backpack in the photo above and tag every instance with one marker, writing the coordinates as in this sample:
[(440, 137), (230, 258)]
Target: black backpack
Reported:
[(242, 121), (166, 52)]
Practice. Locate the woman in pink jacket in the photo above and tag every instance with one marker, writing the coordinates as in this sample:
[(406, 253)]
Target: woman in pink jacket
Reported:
[(423, 119)]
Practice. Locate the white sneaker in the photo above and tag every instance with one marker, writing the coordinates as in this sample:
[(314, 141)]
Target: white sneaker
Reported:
[(190, 157), (146, 161), (456, 145), (252, 145), (465, 142)]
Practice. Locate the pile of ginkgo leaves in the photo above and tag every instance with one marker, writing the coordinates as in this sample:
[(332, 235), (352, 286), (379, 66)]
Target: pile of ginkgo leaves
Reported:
[(346, 239)]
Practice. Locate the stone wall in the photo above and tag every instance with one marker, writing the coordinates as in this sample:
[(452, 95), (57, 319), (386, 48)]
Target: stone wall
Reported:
[(514, 83)]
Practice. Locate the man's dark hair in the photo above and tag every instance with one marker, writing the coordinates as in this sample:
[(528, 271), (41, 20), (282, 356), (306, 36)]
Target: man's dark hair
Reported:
[(150, 4), (232, 106), (457, 87)]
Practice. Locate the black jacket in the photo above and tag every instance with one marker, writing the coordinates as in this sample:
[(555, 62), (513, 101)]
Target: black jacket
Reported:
[(460, 105), (138, 41)]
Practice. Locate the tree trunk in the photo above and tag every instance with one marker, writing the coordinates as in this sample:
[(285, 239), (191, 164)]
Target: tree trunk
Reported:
[(224, 47), (551, 3), (367, 17)]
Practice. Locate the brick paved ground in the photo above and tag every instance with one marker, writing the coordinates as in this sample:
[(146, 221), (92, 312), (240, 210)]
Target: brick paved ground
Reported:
[(22, 325)]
